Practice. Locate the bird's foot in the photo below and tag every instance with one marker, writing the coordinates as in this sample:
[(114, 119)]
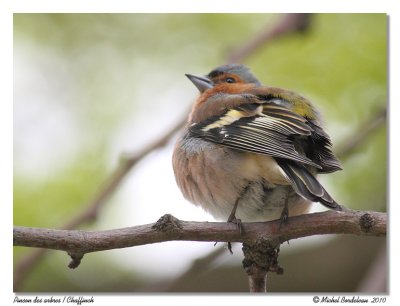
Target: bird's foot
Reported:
[(232, 219), (284, 216), (236, 221)]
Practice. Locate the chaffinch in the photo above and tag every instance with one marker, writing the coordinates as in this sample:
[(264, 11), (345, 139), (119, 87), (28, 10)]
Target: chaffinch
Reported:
[(251, 152)]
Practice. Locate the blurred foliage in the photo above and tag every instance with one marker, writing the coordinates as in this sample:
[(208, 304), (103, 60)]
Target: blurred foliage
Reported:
[(105, 69)]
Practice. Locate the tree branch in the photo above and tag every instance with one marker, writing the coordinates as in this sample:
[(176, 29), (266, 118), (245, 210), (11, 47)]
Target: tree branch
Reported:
[(261, 257), (168, 228)]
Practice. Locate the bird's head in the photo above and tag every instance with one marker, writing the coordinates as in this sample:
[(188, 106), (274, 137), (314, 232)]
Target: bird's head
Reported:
[(226, 74)]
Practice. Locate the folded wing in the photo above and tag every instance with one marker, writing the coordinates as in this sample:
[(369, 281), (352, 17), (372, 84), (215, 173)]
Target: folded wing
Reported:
[(268, 126)]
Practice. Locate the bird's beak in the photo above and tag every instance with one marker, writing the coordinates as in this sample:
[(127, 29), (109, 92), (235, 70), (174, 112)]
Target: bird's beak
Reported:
[(201, 82)]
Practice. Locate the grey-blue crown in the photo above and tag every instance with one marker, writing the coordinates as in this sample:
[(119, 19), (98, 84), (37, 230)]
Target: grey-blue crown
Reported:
[(241, 70)]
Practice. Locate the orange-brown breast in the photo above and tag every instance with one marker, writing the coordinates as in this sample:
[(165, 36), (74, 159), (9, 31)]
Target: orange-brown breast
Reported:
[(217, 100)]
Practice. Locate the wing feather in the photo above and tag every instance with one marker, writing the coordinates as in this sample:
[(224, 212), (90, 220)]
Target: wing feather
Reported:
[(272, 128), (306, 185)]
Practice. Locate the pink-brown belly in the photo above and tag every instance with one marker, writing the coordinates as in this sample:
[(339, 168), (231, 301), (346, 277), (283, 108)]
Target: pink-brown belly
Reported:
[(219, 176)]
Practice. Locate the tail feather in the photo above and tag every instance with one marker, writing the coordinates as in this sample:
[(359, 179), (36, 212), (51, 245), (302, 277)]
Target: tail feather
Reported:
[(307, 186)]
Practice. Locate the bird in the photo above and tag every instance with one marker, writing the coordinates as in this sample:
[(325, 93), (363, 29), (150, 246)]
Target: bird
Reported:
[(251, 152)]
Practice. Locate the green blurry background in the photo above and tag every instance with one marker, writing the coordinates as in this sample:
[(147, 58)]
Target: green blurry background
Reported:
[(88, 87)]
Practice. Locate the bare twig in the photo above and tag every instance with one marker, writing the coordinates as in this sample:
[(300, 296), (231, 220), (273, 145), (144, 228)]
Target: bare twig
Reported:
[(288, 24), (168, 228)]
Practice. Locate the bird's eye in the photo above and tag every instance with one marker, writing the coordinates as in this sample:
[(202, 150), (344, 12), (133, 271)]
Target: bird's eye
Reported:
[(230, 80)]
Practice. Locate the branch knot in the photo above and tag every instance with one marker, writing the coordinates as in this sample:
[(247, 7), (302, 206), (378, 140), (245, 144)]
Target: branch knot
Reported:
[(167, 223), (75, 260), (366, 222)]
